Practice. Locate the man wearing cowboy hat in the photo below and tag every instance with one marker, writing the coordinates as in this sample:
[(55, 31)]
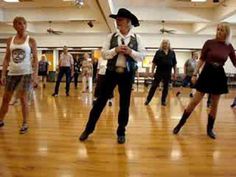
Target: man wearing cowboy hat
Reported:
[(123, 49)]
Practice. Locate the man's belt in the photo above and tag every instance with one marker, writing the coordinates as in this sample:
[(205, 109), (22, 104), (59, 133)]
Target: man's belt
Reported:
[(120, 70)]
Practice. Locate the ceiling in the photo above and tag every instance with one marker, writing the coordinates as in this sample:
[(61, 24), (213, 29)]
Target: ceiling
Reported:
[(182, 16)]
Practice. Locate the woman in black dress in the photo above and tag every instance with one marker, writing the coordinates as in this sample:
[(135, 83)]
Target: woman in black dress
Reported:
[(212, 79), (43, 69)]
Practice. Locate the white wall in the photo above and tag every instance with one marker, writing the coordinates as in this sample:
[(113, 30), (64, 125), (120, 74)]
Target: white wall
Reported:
[(149, 40)]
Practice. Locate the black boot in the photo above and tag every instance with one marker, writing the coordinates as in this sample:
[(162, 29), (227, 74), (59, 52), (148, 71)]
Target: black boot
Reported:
[(84, 135), (210, 126), (182, 121), (234, 103)]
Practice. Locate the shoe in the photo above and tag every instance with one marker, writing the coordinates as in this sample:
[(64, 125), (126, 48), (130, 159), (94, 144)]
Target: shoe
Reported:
[(210, 125), (190, 95), (146, 103), (177, 94), (44, 85), (163, 103), (67, 94), (23, 129), (1, 123), (121, 139), (84, 136), (55, 94), (110, 103), (181, 123), (233, 105)]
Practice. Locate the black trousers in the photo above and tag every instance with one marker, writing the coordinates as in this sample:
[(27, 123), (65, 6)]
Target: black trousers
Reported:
[(165, 78), (101, 81), (67, 72), (124, 82), (76, 75)]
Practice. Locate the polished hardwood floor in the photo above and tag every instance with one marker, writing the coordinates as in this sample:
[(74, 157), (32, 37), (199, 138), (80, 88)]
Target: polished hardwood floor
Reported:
[(51, 147)]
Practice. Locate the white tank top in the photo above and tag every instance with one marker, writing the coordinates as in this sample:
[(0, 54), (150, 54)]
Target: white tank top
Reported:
[(20, 62)]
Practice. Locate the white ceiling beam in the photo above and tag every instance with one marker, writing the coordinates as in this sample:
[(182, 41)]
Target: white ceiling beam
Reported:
[(171, 14), (221, 13), (198, 27), (53, 14), (107, 8), (226, 10)]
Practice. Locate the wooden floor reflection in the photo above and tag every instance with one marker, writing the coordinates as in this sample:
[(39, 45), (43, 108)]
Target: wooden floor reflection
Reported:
[(51, 147)]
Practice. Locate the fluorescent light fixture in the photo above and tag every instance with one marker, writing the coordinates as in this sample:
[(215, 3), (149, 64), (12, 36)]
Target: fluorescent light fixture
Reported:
[(198, 0), (11, 0)]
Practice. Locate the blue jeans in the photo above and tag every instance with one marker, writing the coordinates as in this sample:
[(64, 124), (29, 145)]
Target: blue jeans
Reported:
[(67, 72)]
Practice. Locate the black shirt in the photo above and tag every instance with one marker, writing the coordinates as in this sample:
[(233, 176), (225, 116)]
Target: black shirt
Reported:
[(164, 62), (77, 66)]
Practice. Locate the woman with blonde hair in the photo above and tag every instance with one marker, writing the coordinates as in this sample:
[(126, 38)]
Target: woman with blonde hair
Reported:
[(87, 74), (22, 70), (43, 69), (212, 79), (164, 60)]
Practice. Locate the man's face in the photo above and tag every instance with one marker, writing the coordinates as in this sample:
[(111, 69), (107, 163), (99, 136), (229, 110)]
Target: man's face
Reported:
[(195, 56), (122, 22), (65, 50)]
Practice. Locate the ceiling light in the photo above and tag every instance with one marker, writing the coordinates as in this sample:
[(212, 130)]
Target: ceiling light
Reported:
[(79, 3), (11, 0)]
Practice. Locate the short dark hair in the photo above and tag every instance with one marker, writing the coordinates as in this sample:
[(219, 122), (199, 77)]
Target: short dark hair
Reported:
[(17, 19)]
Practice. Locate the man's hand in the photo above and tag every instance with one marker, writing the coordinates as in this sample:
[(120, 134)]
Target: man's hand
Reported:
[(194, 80), (151, 75), (35, 80), (127, 50), (123, 49), (3, 80), (174, 76)]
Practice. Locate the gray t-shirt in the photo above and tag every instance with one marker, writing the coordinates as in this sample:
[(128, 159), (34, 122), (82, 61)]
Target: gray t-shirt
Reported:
[(190, 65)]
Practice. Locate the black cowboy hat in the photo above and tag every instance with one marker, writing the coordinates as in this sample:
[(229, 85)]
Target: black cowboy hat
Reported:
[(126, 14)]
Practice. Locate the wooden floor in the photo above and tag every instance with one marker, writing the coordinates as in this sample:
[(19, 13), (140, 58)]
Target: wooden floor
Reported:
[(51, 147)]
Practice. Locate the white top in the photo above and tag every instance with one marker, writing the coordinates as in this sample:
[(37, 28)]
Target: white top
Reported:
[(20, 61), (121, 60), (102, 66), (87, 68), (66, 60)]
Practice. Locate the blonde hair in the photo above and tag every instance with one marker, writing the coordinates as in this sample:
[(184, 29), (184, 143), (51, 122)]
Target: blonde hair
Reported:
[(165, 40), (44, 56), (228, 32), (18, 19)]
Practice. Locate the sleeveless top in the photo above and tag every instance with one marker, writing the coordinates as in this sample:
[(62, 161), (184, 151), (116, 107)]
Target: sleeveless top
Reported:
[(20, 61)]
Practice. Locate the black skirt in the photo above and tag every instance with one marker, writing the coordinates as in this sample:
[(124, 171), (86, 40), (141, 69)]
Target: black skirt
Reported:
[(42, 73), (212, 80)]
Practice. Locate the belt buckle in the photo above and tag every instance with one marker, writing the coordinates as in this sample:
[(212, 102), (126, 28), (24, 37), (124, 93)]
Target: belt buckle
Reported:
[(216, 65), (120, 70)]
